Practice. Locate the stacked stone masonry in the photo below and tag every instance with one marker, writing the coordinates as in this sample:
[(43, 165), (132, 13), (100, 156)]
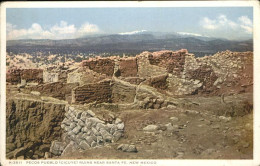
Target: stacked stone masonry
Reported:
[(83, 130)]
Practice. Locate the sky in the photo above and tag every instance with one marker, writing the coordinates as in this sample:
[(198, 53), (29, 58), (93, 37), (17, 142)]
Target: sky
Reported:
[(232, 23)]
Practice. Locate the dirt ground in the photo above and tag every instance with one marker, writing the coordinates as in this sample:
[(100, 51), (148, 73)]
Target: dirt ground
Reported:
[(206, 129)]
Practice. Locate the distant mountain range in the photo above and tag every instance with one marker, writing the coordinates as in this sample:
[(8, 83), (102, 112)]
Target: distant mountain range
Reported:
[(131, 43)]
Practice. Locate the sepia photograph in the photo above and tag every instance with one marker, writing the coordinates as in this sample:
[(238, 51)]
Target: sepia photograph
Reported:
[(127, 83)]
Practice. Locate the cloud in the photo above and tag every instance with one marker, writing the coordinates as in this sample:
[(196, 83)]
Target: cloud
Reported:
[(59, 31), (132, 33), (246, 24), (220, 22), (243, 24)]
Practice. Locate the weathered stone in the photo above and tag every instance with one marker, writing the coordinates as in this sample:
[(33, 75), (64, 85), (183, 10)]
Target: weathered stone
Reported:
[(96, 120), (72, 126), (81, 123), (84, 115), (88, 124), (100, 140), (35, 93), (100, 126), (127, 148), (95, 132), (103, 132), (174, 119), (90, 133), (113, 129), (132, 148), (121, 126), (116, 136), (93, 144), (91, 113), (150, 128), (108, 138), (171, 127), (57, 147), (225, 119), (117, 121), (79, 136), (90, 139), (85, 129), (76, 130), (84, 145)]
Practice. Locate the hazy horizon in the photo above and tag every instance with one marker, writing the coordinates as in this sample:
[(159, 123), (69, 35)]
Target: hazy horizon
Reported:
[(72, 23)]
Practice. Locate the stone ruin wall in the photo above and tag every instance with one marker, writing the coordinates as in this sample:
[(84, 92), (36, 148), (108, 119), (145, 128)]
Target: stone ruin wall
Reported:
[(172, 73), (97, 92), (128, 67), (29, 75), (49, 77), (224, 71), (59, 90), (102, 65)]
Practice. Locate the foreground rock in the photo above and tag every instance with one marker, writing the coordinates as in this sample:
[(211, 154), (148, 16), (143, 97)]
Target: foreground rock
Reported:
[(127, 148)]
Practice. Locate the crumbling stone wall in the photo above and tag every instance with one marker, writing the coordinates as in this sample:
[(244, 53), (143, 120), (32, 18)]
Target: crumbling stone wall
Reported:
[(226, 71), (85, 76), (29, 75), (173, 61), (145, 69), (49, 77), (128, 67), (159, 82), (57, 90), (123, 92), (102, 65), (31, 125), (96, 92), (83, 130)]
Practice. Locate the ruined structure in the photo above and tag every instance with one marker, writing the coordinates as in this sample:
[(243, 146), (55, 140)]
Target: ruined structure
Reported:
[(148, 81)]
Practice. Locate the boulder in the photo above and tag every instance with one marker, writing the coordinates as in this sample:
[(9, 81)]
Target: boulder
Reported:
[(150, 128), (57, 148), (127, 148)]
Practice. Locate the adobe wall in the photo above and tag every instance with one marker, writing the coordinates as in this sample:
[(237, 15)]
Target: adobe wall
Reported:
[(15, 76), (97, 92), (101, 65), (173, 61), (128, 67), (57, 90)]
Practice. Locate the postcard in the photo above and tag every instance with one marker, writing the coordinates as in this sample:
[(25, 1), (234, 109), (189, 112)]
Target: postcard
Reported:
[(130, 83)]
